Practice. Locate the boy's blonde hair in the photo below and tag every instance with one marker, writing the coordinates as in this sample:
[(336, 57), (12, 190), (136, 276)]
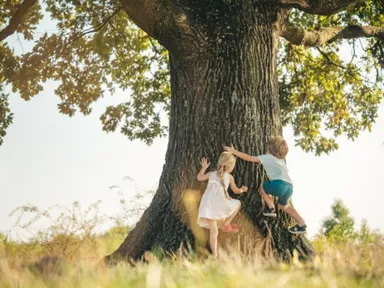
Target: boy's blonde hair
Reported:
[(277, 146)]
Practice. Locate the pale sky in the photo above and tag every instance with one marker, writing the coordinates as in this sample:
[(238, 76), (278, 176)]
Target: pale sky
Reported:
[(49, 158)]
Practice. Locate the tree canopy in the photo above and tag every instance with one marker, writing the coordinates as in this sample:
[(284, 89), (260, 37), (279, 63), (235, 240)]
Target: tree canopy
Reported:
[(330, 65)]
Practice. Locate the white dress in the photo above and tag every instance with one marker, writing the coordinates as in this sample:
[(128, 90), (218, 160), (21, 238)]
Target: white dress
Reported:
[(214, 204)]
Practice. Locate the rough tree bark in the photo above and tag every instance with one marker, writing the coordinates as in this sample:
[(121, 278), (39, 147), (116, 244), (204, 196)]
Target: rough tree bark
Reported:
[(224, 90)]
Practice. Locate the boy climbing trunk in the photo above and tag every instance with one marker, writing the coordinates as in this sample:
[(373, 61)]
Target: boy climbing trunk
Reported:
[(279, 183)]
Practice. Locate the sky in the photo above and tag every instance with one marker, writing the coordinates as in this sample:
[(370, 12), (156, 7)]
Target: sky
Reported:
[(48, 158)]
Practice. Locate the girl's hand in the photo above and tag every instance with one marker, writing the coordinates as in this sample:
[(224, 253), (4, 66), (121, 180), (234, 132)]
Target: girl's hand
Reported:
[(204, 163), (244, 188), (230, 149)]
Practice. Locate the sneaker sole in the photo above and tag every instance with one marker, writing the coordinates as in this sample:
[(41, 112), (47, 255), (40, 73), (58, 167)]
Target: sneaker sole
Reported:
[(270, 214)]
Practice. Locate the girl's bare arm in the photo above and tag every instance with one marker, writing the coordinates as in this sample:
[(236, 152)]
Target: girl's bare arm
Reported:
[(234, 187), (204, 165)]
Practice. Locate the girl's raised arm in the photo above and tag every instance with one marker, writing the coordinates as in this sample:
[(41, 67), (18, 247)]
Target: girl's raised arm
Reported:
[(234, 188), (204, 165), (242, 155)]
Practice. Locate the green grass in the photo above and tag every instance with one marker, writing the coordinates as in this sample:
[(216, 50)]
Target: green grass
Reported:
[(67, 254), (347, 265)]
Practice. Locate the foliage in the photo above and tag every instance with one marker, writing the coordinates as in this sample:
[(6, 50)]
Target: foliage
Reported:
[(340, 225), (115, 55), (69, 232), (66, 229), (368, 236), (131, 210), (96, 48), (340, 228), (322, 89), (6, 117)]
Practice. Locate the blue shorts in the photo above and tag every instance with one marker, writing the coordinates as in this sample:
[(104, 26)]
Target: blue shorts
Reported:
[(279, 188)]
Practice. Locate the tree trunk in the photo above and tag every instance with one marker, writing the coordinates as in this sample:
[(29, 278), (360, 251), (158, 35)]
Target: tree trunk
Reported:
[(224, 91)]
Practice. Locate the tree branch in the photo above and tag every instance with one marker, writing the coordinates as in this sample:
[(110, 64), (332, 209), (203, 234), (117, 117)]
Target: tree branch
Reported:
[(143, 13), (319, 7), (325, 55), (155, 17), (17, 18), (299, 36), (163, 20), (97, 27)]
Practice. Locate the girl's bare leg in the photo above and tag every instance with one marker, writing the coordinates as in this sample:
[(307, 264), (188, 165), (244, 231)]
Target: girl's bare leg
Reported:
[(213, 233), (228, 220)]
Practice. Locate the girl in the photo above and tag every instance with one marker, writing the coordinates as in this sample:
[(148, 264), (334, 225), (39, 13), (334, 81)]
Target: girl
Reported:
[(217, 209)]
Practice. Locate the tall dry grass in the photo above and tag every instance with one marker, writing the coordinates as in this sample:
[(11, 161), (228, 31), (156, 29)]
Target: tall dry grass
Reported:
[(347, 265), (67, 253)]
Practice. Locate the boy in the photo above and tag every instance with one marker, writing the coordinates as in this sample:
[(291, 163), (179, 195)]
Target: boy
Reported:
[(279, 184)]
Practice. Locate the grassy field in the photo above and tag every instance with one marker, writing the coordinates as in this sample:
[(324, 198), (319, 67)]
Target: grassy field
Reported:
[(67, 253), (337, 265)]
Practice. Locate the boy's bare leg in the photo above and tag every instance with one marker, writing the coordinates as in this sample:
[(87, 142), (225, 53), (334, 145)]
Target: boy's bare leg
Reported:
[(268, 199), (293, 212)]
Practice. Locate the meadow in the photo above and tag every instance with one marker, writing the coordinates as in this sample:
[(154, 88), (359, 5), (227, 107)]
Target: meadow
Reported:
[(68, 251)]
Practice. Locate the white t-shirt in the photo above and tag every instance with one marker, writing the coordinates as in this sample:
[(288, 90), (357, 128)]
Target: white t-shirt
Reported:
[(276, 168)]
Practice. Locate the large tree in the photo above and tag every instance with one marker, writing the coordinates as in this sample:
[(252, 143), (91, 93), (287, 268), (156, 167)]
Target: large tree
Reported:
[(225, 71)]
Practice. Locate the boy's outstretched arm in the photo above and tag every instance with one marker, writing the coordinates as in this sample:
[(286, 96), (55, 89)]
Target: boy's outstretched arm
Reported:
[(241, 155), (204, 165), (234, 187)]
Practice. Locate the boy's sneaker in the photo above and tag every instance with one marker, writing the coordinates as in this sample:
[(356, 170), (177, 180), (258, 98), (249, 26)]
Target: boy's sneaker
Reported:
[(270, 212), (297, 229)]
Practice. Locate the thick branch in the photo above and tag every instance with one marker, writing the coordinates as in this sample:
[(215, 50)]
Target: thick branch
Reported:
[(155, 17), (163, 20), (319, 7), (299, 36), (143, 13), (17, 18)]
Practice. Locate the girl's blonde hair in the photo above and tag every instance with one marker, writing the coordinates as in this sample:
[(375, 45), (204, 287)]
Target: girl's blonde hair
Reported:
[(278, 147), (224, 164)]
